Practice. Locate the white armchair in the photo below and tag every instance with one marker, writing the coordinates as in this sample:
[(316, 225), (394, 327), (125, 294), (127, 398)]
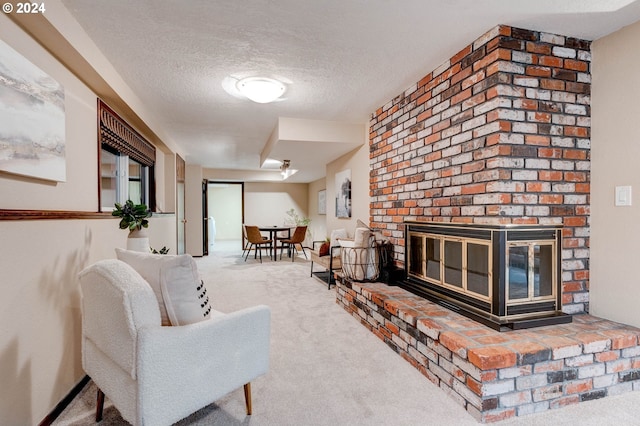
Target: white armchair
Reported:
[(157, 375)]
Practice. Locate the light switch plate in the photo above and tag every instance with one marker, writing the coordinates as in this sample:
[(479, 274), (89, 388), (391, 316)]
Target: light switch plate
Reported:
[(623, 195)]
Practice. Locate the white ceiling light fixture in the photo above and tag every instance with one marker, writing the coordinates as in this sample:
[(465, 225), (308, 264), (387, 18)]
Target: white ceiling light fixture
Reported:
[(261, 89)]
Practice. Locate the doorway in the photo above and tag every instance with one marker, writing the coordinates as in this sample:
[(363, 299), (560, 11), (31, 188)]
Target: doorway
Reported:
[(225, 210)]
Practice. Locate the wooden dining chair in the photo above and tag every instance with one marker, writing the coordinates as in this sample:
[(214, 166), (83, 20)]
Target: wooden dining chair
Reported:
[(257, 241), (290, 243)]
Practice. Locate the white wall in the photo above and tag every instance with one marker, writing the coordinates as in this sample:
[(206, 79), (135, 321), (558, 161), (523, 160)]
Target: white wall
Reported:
[(615, 155)]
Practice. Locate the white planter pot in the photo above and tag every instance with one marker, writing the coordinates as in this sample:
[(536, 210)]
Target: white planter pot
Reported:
[(138, 240)]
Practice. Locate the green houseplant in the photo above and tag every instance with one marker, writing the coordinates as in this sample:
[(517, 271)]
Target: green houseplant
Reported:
[(296, 219), (132, 216)]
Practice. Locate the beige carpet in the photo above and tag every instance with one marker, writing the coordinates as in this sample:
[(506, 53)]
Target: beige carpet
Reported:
[(327, 369)]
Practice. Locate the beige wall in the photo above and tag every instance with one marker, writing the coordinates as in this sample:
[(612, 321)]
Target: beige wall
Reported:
[(268, 203), (318, 225), (615, 155), (166, 200), (193, 210), (358, 162), (39, 259)]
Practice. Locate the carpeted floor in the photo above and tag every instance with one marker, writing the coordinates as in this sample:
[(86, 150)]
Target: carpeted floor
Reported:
[(326, 368)]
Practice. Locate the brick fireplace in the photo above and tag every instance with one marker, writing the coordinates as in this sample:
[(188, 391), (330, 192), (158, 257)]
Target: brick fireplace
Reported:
[(498, 134), (495, 137)]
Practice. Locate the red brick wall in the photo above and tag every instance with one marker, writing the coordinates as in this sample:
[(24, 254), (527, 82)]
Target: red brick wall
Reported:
[(497, 134)]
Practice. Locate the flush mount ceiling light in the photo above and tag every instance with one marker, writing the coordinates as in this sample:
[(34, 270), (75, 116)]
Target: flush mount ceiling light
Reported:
[(261, 89)]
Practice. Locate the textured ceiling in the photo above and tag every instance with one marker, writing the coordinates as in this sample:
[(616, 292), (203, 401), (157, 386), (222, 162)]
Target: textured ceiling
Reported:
[(341, 59)]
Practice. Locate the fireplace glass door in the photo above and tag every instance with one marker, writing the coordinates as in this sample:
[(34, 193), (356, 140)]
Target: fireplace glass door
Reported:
[(459, 264), (453, 263), (530, 274), (478, 269), (425, 256)]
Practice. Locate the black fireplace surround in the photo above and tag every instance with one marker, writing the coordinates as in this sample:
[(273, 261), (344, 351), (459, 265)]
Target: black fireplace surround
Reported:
[(504, 276)]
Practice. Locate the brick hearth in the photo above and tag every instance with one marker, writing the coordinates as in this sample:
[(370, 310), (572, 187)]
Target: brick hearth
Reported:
[(496, 375)]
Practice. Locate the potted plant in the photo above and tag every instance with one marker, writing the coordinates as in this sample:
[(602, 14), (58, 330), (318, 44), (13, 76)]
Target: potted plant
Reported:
[(294, 219), (134, 218)]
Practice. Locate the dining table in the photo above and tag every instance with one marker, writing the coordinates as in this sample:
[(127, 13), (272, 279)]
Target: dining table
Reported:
[(273, 236)]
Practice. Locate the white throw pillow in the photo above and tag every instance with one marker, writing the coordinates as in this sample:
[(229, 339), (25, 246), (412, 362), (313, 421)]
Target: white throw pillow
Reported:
[(377, 234), (185, 295), (361, 224), (182, 296), (337, 234), (361, 238)]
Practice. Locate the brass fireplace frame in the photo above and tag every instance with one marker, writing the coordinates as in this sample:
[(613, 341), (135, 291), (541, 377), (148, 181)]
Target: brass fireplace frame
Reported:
[(445, 262)]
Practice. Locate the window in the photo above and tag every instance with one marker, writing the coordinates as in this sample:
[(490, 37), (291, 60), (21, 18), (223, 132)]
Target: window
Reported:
[(122, 178), (126, 163)]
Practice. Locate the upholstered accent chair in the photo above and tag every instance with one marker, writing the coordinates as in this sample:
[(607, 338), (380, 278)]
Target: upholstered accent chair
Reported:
[(154, 374)]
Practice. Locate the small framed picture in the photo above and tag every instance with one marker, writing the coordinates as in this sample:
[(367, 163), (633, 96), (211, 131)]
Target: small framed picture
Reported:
[(322, 201)]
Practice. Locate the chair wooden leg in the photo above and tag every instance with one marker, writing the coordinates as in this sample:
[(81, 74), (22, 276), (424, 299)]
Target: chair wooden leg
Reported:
[(247, 397), (248, 251), (99, 405)]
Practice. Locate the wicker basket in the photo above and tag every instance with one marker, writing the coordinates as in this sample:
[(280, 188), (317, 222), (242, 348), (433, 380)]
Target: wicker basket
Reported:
[(360, 263)]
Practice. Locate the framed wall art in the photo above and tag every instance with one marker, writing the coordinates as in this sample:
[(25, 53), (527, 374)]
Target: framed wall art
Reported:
[(343, 193), (32, 119), (322, 201)]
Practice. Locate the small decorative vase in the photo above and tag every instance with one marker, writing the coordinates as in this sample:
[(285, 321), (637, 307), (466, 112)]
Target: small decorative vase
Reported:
[(138, 240)]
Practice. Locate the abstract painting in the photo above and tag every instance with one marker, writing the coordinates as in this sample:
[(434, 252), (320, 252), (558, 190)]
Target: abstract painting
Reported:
[(343, 193), (32, 119)]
